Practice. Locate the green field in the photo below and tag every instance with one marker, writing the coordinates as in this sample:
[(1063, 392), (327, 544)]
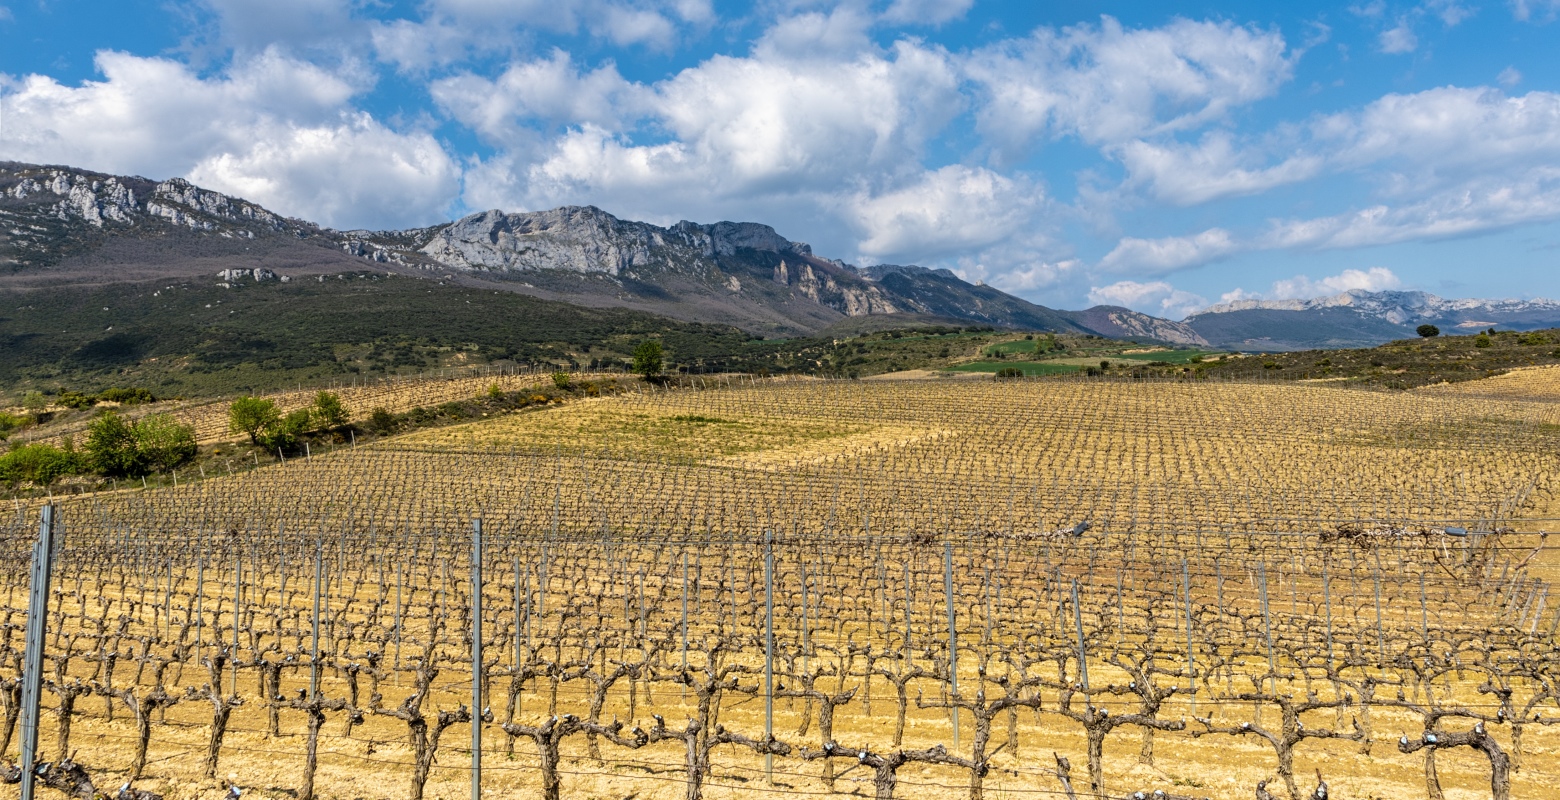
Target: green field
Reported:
[(1027, 367)]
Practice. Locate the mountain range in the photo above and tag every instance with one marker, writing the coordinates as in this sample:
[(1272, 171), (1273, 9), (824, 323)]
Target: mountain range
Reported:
[(60, 225), (1360, 319)]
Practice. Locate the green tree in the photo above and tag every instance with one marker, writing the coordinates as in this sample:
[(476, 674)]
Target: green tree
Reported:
[(1482, 340), (329, 412), (112, 448), (252, 416), (1428, 331), (649, 359), (561, 379), (163, 443), (34, 402)]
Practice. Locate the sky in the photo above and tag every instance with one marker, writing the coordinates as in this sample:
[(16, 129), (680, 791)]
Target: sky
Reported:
[(1160, 156)]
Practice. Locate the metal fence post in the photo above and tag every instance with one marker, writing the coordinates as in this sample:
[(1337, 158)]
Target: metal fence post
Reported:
[(32, 677)]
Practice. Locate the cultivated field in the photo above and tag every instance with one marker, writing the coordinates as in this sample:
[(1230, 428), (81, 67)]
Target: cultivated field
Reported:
[(1272, 581)]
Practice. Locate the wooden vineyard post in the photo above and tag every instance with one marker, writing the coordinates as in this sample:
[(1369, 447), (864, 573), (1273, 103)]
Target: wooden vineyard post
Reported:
[(1327, 600), (908, 657), (476, 660), (1381, 642), (769, 653), (953, 639), (37, 613)]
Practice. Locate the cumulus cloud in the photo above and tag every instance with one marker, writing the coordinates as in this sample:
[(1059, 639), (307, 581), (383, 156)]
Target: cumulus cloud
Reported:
[(1159, 256), (1212, 168), (549, 92), (242, 131), (947, 211), (1157, 297), (1107, 84)]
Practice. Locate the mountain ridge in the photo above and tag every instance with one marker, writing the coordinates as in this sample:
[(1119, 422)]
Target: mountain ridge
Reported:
[(65, 224), (1360, 318)]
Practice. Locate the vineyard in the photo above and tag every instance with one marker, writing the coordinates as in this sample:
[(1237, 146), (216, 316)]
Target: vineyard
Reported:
[(1037, 588)]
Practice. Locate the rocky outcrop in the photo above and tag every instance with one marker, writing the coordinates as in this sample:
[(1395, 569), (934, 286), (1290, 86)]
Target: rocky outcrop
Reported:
[(261, 275), (1124, 323)]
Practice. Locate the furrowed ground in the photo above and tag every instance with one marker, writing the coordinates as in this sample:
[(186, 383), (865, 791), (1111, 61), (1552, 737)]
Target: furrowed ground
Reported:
[(1258, 561)]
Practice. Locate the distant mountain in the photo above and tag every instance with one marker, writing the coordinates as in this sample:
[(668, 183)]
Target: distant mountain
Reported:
[(1359, 319), (64, 226), (1124, 323)]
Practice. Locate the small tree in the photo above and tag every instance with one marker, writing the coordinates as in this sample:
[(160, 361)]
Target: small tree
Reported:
[(162, 443), (111, 446), (34, 402), (329, 412), (562, 381), (285, 432), (252, 416), (649, 359), (1482, 340), (1428, 331)]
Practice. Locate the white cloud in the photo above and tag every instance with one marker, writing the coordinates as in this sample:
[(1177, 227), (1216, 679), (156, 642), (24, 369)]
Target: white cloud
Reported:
[(1301, 287), (552, 92), (1374, 279), (1509, 77), (1399, 39), (1107, 84), (1451, 12), (249, 26), (1215, 167), (951, 210), (1158, 298), (449, 31), (1541, 10), (1158, 256), (926, 12), (266, 117)]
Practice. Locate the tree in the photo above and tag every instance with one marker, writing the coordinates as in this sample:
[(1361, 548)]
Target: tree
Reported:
[(119, 448), (112, 448), (34, 402), (561, 379), (1428, 331), (163, 443), (285, 432), (252, 416), (329, 412), (649, 359)]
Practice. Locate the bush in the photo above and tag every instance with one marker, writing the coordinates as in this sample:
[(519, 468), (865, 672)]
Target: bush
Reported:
[(164, 443), (1482, 340), (157, 443), (285, 432), (381, 421), (70, 399), (41, 464), (561, 379), (1427, 331), (1009, 372), (126, 396)]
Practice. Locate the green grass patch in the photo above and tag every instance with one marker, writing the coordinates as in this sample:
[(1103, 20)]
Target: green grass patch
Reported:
[(1027, 367)]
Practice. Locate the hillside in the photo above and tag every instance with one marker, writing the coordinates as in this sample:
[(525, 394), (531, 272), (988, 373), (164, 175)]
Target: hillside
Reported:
[(62, 226)]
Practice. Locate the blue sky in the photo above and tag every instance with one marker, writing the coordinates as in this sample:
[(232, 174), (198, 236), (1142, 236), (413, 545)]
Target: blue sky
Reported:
[(1143, 154)]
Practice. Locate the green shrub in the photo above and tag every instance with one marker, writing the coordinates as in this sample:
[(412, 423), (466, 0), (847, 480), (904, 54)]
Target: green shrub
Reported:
[(252, 416), (41, 464), (1482, 340), (156, 443), (1009, 372), (381, 421), (133, 396), (561, 379)]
